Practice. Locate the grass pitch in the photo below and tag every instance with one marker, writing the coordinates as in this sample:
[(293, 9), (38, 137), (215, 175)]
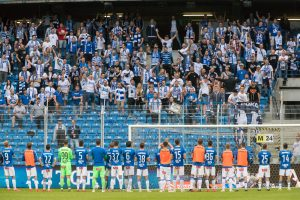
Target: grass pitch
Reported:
[(274, 194)]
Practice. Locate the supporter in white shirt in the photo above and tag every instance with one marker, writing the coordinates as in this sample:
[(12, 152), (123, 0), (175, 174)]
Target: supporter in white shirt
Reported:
[(242, 96), (178, 79), (127, 75), (46, 44), (260, 53), (53, 37), (90, 84), (233, 98), (104, 91), (166, 41), (64, 85), (100, 42), (198, 66)]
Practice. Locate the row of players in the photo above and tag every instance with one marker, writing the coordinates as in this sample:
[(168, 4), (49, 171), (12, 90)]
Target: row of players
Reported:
[(170, 159)]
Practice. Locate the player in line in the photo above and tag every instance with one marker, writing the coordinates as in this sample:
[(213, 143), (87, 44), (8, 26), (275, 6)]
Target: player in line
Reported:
[(209, 166), (179, 155), (98, 155), (129, 155), (65, 157), (30, 158), (197, 172), (264, 157), (165, 167), (81, 155), (116, 165), (285, 159), (108, 165), (242, 166), (7, 155), (227, 168), (142, 157), (47, 161)]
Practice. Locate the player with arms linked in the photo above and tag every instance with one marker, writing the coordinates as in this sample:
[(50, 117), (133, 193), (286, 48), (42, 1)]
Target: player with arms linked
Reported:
[(264, 157), (81, 155), (165, 166), (98, 155), (285, 159), (47, 161), (65, 157), (7, 154), (179, 155), (30, 159), (116, 165), (142, 157), (197, 171), (129, 155), (209, 166)]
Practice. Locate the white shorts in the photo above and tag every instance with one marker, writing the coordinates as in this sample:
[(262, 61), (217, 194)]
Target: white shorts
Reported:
[(128, 170), (9, 171), (228, 172), (197, 171), (284, 172), (31, 172), (264, 171), (165, 173), (107, 172), (47, 173), (142, 172), (178, 171), (242, 172), (81, 171), (116, 171), (210, 171), (158, 172)]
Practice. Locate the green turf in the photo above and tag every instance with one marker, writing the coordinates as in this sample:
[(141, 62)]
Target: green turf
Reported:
[(74, 195)]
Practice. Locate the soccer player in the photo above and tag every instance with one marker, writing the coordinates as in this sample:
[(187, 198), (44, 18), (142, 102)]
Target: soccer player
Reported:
[(116, 165), (197, 172), (98, 155), (47, 161), (129, 155), (227, 168), (81, 155), (285, 158), (65, 157), (242, 166), (179, 155), (209, 168), (264, 157), (142, 157), (157, 159), (165, 166), (108, 163), (9, 170), (30, 159)]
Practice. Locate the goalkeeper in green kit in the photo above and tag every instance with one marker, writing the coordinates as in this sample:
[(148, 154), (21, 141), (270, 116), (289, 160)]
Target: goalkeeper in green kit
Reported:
[(65, 157)]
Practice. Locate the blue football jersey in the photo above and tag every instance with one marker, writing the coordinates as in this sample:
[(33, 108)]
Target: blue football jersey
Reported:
[(116, 156), (129, 155), (47, 160), (7, 154), (142, 156), (157, 158), (98, 154), (80, 154), (264, 157), (210, 157), (285, 157), (178, 153), (108, 160)]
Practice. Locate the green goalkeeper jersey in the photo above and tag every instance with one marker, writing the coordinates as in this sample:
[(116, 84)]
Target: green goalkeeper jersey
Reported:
[(65, 155)]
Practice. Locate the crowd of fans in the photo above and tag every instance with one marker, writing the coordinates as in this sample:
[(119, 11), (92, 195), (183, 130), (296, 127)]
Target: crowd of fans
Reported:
[(125, 61)]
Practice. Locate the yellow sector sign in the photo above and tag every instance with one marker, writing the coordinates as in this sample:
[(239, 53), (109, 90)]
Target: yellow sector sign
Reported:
[(264, 138)]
